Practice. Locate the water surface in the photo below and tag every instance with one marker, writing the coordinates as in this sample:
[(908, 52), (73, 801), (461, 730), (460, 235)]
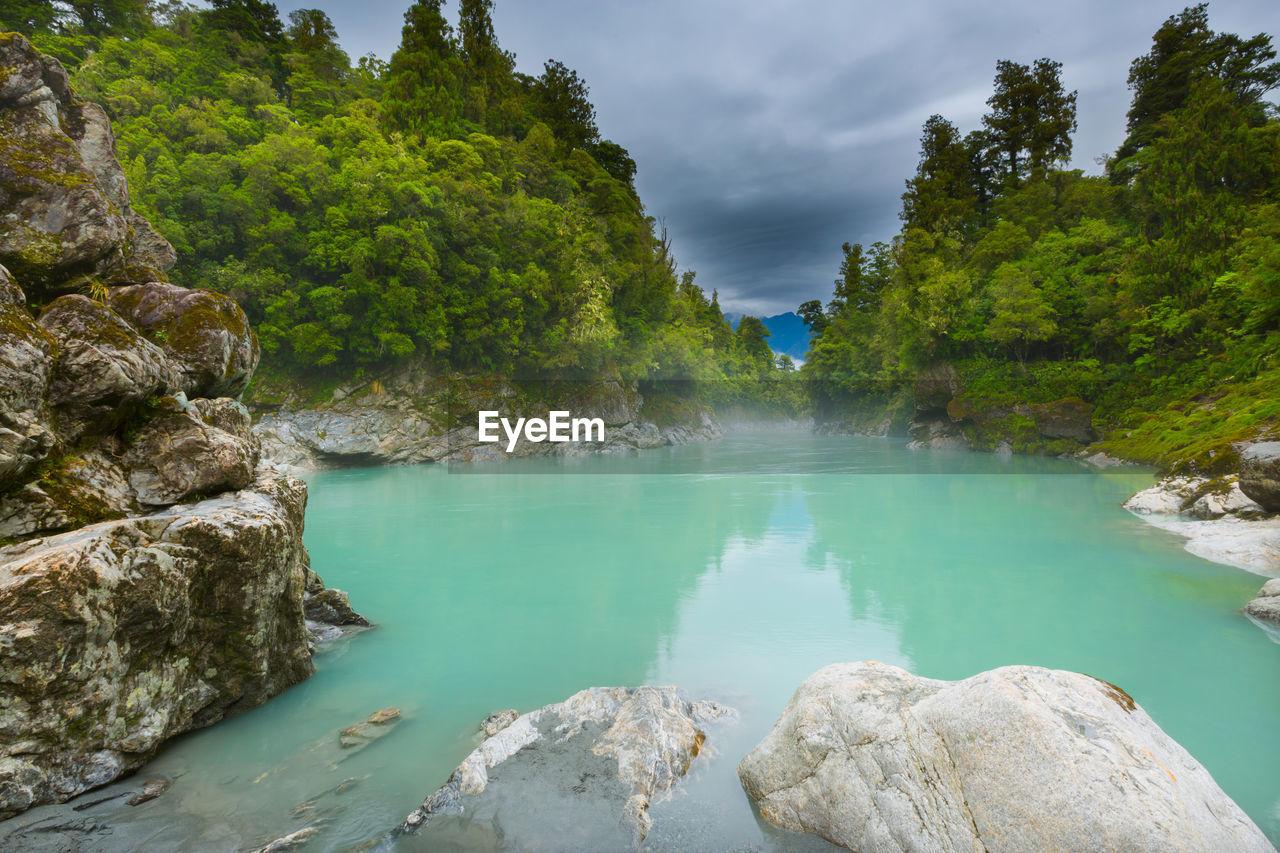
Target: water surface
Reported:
[(733, 569)]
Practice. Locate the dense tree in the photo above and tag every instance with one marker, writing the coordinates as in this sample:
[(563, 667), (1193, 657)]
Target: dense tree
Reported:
[(1129, 293), (562, 102), (1185, 51), (361, 216), (423, 96), (1031, 120), (487, 80), (28, 16), (943, 194)]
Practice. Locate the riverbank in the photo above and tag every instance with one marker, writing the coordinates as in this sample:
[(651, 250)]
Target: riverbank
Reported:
[(415, 414)]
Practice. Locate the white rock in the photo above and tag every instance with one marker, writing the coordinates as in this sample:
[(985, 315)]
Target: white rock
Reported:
[(1020, 758)]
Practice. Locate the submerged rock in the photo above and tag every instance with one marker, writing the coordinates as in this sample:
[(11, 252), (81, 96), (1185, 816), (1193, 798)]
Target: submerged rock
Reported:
[(498, 720), (150, 791), (875, 759), (365, 732), (1260, 474), (579, 774)]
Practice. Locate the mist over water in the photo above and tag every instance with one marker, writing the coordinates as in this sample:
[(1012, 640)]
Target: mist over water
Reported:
[(733, 569)]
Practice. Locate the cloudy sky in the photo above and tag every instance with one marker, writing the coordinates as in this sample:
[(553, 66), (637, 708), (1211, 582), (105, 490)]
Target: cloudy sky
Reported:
[(768, 133)]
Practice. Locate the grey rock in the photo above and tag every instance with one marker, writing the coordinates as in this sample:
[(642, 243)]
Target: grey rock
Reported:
[(205, 334), (105, 370), (66, 212), (936, 433), (122, 634), (1267, 605), (1260, 474), (292, 841), (332, 607), (26, 356), (594, 761), (181, 455), (407, 420), (875, 759), (88, 487)]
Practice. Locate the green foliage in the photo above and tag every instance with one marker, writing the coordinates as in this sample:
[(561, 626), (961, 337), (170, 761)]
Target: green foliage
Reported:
[(437, 207), (1031, 120), (1185, 52), (1048, 283)]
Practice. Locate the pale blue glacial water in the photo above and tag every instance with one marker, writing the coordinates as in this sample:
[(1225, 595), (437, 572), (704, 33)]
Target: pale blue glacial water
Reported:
[(733, 569)]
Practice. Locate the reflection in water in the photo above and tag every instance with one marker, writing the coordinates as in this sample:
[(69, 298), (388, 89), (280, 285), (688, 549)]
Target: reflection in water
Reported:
[(734, 569)]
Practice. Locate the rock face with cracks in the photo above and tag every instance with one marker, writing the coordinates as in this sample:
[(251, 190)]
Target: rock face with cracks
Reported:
[(65, 215), (579, 774), (875, 759), (152, 576)]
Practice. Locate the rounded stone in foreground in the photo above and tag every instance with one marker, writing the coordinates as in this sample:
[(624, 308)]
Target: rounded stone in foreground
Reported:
[(875, 759)]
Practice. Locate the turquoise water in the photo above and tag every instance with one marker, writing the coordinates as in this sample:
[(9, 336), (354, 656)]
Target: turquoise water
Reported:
[(733, 569)]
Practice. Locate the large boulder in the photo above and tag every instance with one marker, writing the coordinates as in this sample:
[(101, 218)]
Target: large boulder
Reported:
[(125, 633), (578, 774), (205, 334), (66, 213), (104, 369), (1020, 758), (204, 448), (1260, 474)]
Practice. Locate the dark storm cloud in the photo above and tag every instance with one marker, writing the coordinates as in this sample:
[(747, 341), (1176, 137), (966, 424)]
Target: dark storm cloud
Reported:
[(768, 133)]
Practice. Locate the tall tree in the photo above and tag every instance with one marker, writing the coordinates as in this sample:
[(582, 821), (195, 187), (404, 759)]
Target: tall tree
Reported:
[(422, 78), (118, 17), (253, 20), (563, 103), (942, 193), (1183, 51), (487, 69), (1031, 120), (318, 66)]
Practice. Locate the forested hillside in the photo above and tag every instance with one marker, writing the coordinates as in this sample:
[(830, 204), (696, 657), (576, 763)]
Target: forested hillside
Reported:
[(1152, 290), (439, 206)]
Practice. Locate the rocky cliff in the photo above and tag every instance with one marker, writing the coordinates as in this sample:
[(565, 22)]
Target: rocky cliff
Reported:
[(152, 573)]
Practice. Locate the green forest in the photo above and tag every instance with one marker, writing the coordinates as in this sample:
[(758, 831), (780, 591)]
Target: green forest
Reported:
[(444, 207), (1152, 290), (439, 206)]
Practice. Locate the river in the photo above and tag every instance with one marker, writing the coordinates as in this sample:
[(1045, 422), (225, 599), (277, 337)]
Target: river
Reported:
[(733, 569)]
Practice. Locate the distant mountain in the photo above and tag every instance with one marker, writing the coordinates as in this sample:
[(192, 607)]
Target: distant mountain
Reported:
[(787, 333)]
